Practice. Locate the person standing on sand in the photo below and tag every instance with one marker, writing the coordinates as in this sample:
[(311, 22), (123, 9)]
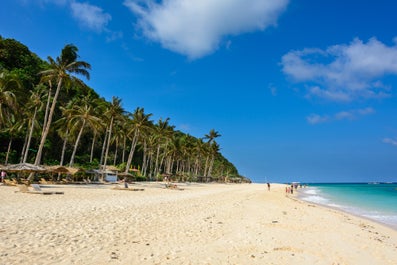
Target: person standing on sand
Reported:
[(268, 186), (3, 175)]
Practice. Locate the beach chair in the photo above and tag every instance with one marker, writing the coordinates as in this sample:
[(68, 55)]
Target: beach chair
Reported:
[(126, 187), (43, 181), (10, 182), (37, 188), (24, 189), (172, 186)]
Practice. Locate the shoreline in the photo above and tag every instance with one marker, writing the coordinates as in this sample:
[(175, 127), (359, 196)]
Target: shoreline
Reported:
[(201, 224), (299, 196)]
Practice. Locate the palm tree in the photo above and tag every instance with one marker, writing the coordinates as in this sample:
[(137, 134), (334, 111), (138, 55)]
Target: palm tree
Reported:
[(113, 112), (36, 104), (81, 116), (61, 70), (139, 122), (8, 103), (214, 150), (162, 133), (211, 137), (63, 125)]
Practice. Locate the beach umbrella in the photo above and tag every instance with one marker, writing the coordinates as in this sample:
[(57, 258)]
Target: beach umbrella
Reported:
[(24, 167), (57, 169)]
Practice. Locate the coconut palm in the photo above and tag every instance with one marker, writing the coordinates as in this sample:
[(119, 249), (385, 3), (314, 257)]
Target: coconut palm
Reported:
[(81, 117), (114, 111), (8, 103), (162, 133), (140, 121), (35, 103), (61, 70), (211, 137)]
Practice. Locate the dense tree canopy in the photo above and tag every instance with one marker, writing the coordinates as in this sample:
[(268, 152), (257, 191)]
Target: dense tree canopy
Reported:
[(50, 116)]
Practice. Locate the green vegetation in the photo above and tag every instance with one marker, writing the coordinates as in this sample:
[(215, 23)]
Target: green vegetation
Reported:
[(49, 116)]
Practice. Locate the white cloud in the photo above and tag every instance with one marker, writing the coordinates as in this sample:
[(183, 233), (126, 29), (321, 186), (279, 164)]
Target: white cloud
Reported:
[(43, 3), (343, 72), (342, 115), (195, 28), (316, 119), (273, 89), (390, 141), (90, 16)]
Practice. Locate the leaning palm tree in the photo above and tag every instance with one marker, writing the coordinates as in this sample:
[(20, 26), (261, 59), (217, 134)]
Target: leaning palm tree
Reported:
[(82, 116), (139, 122), (61, 70), (34, 104)]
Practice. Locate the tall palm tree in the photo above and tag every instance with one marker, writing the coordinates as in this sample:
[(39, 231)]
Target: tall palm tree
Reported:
[(113, 112), (63, 126), (211, 137), (35, 103), (139, 122), (162, 133), (61, 70), (214, 150), (82, 116)]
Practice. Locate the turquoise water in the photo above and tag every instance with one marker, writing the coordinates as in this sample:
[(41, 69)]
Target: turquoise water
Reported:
[(376, 201)]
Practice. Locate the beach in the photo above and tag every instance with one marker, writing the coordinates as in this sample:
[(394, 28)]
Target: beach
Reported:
[(199, 224)]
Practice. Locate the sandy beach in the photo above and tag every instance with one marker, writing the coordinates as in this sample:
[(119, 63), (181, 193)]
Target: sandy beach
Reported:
[(201, 224)]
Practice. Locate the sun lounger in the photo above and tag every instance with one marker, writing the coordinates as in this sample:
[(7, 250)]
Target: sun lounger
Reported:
[(36, 187), (36, 190), (24, 189), (10, 182), (126, 187), (172, 186)]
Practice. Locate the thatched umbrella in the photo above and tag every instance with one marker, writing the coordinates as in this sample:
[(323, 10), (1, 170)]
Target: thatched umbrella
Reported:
[(57, 169), (24, 167)]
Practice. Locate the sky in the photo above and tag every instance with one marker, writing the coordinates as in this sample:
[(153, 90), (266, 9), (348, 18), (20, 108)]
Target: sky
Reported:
[(299, 90)]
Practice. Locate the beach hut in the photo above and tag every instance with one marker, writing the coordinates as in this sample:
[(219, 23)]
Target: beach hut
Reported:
[(111, 173)]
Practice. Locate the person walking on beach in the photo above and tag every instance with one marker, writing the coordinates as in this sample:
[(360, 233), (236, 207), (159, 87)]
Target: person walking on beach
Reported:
[(3, 175), (268, 186)]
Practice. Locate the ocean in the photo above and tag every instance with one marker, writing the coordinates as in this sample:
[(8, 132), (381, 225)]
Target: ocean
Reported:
[(376, 201)]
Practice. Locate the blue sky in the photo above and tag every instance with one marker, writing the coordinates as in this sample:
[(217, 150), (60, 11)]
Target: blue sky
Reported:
[(300, 90)]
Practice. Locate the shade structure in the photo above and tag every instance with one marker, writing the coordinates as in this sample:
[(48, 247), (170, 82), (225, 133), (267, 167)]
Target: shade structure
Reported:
[(112, 168), (24, 167), (63, 170), (123, 174), (57, 169)]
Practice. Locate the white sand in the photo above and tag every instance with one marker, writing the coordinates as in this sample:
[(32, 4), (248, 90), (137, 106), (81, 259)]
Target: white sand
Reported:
[(203, 224)]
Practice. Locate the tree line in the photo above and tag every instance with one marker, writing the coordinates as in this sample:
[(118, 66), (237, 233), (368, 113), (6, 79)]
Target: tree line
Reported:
[(48, 115)]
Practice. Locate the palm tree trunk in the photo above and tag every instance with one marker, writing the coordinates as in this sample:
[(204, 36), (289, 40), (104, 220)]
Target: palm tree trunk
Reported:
[(108, 144), (115, 153), (65, 140), (92, 147), (131, 154), (157, 160), (124, 147), (24, 145), (76, 144), (8, 151), (47, 126), (25, 157), (47, 107), (144, 159), (103, 147), (206, 166)]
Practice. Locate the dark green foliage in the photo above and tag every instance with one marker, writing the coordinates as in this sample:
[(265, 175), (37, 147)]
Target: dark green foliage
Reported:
[(17, 60)]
